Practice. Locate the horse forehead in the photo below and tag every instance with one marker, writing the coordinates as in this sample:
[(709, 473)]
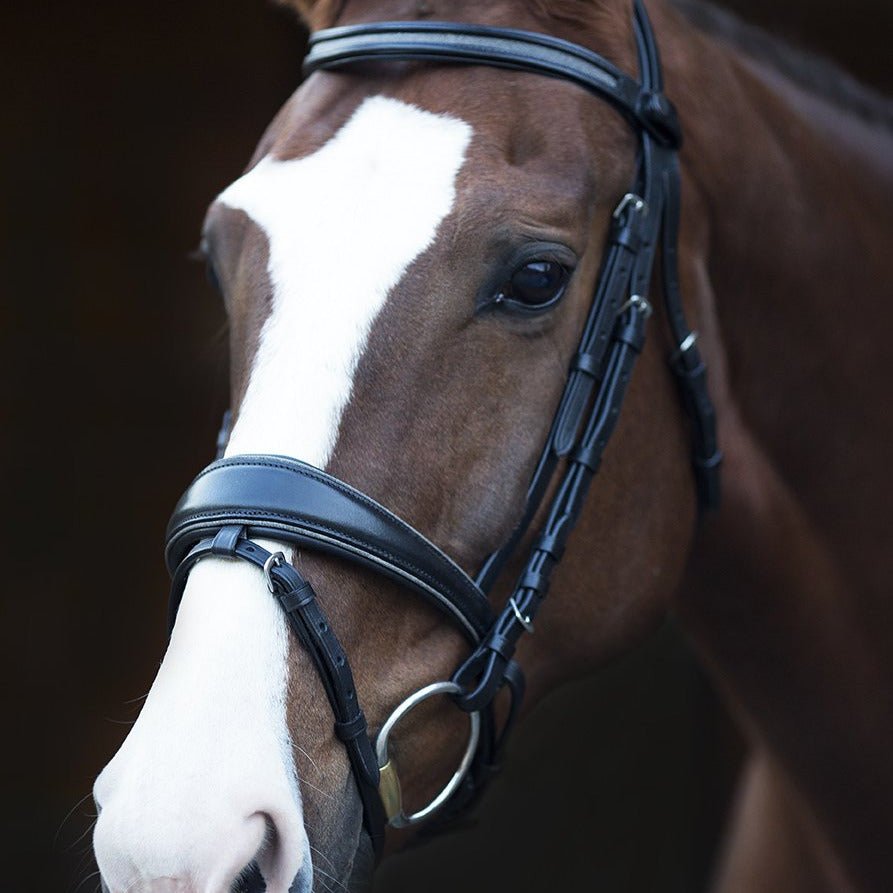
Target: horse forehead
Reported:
[(391, 163), (342, 225)]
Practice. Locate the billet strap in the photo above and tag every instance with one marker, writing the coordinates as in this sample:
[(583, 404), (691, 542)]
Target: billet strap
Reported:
[(283, 499), (495, 47)]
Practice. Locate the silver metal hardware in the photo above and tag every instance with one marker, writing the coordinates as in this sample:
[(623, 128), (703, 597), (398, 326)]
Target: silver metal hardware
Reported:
[(640, 303), (688, 342), (389, 784), (525, 621), (275, 560), (630, 200)]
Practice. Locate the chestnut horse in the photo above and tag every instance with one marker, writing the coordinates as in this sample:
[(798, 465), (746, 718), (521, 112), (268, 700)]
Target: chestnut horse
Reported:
[(358, 258)]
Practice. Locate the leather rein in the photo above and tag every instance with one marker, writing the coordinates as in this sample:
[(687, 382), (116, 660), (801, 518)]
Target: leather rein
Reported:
[(238, 500)]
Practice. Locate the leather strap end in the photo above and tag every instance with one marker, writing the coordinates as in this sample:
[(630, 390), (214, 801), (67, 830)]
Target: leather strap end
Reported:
[(571, 414)]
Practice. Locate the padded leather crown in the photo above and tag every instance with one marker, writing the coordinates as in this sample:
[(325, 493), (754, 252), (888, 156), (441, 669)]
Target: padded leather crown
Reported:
[(284, 499)]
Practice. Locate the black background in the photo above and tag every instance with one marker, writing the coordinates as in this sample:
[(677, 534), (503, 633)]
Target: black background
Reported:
[(120, 122)]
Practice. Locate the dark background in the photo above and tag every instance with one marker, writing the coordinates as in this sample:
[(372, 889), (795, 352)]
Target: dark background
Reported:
[(120, 122)]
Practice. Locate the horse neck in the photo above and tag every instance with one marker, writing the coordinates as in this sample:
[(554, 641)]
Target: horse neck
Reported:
[(789, 224), (798, 200)]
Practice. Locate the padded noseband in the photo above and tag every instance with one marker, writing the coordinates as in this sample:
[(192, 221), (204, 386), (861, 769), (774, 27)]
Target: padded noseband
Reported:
[(278, 498)]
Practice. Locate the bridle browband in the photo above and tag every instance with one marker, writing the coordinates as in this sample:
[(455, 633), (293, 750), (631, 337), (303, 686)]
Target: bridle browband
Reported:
[(238, 500)]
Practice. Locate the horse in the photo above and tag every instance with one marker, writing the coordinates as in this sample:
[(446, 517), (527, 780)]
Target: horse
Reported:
[(407, 264)]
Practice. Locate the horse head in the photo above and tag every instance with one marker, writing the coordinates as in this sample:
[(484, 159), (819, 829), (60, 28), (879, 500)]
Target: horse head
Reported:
[(407, 266)]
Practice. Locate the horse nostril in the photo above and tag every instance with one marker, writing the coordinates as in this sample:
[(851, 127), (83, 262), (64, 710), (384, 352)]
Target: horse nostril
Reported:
[(250, 881), (273, 866), (257, 854)]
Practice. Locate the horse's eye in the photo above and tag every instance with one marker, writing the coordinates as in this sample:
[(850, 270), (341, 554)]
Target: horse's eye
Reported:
[(535, 286)]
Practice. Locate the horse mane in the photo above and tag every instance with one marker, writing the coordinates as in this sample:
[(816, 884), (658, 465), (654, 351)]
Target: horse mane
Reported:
[(808, 70)]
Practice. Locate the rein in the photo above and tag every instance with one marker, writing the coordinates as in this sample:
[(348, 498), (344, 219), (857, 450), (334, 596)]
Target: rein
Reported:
[(235, 501)]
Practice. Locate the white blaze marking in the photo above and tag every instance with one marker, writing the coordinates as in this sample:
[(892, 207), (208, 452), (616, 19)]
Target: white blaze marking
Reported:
[(211, 746), (343, 225)]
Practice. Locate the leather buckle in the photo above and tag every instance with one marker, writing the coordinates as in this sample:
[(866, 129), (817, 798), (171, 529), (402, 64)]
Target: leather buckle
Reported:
[(275, 560)]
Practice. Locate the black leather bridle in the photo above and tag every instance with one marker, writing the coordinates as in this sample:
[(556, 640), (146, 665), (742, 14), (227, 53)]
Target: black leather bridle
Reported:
[(238, 500)]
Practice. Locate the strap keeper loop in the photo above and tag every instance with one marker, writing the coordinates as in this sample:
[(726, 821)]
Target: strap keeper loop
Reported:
[(535, 580), (631, 331), (588, 456), (552, 544), (585, 363), (226, 539), (351, 728), (501, 645), (296, 599)]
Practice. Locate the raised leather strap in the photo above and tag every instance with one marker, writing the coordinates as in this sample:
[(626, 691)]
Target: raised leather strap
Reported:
[(282, 499)]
